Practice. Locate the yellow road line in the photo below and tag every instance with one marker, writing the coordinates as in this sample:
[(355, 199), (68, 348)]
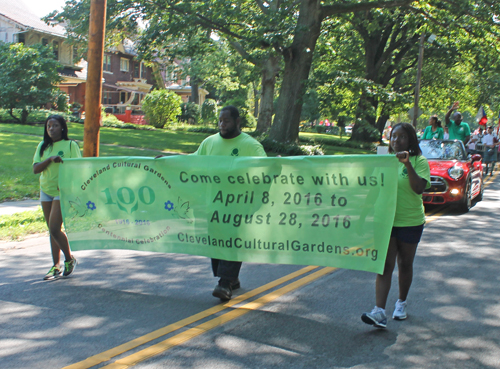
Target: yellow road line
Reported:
[(191, 333), (118, 350)]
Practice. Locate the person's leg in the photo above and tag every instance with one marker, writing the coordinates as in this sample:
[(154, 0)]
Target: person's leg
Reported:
[(383, 281), (55, 224), (406, 256), (215, 266), (229, 270), (54, 247)]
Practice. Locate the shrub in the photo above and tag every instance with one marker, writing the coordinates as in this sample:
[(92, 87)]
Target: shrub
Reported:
[(161, 107), (190, 113), (209, 112), (203, 130), (109, 120), (246, 118), (291, 149), (320, 129), (62, 102), (36, 116)]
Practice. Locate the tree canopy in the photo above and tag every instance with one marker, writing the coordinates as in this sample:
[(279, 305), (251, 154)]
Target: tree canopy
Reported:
[(361, 53)]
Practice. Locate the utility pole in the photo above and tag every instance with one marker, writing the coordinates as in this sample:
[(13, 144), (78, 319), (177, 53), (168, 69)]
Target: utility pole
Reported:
[(419, 77), (93, 87)]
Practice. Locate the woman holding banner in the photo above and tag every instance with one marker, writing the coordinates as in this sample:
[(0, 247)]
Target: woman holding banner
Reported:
[(48, 156), (413, 179)]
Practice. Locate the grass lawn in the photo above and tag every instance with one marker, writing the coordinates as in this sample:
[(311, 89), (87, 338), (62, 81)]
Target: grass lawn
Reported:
[(18, 144)]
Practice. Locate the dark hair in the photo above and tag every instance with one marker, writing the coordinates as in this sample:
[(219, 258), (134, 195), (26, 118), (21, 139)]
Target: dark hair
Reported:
[(47, 141), (438, 122), (414, 148), (233, 110)]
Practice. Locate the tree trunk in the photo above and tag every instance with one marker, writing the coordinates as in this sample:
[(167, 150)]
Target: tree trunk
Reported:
[(269, 72), (16, 119), (195, 98), (24, 116), (256, 96), (298, 60)]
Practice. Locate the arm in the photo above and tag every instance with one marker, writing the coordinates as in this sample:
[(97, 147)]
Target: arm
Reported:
[(448, 115), (40, 167), (417, 183)]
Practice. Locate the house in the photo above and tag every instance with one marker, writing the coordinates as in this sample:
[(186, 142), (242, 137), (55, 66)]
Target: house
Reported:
[(126, 79), (18, 24), (174, 82)]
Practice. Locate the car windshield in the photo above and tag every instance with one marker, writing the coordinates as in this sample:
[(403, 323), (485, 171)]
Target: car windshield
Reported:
[(442, 149)]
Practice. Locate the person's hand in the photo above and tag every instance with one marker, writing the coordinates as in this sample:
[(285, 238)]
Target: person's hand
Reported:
[(56, 159), (403, 156), (455, 105)]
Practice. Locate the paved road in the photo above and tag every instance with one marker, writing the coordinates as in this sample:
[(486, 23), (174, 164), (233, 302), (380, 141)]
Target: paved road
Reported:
[(308, 321)]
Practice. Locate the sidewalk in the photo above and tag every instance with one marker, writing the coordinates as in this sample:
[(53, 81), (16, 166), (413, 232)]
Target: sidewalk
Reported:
[(12, 207)]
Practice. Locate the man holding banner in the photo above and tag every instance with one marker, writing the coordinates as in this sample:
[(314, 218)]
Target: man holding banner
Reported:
[(230, 141)]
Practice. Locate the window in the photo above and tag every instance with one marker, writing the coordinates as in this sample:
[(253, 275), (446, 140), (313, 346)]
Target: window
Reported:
[(20, 38), (106, 63), (137, 69), (124, 65), (45, 42), (143, 71), (55, 49), (106, 97)]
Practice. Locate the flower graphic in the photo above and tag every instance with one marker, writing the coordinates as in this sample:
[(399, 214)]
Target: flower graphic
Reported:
[(169, 205), (91, 205)]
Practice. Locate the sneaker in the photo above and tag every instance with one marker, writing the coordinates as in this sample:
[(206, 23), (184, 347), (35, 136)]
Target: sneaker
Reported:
[(376, 317), (69, 266), (399, 311), (54, 272)]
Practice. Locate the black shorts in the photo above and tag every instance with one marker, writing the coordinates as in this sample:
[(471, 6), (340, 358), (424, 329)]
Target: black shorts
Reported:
[(408, 234)]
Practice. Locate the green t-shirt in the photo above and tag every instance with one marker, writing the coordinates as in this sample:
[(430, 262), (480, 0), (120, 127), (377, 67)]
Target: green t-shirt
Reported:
[(241, 145), (409, 206), (49, 178), (429, 135), (458, 132)]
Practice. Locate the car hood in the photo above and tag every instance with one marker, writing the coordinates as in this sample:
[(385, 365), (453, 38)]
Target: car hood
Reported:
[(444, 164)]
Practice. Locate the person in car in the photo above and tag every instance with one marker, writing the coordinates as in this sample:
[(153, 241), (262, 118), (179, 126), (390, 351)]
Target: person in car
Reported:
[(434, 130), (458, 130)]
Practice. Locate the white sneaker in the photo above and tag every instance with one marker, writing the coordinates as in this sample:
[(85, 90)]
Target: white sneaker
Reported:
[(399, 310), (376, 317)]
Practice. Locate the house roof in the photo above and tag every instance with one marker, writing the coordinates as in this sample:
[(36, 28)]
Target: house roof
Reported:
[(18, 12)]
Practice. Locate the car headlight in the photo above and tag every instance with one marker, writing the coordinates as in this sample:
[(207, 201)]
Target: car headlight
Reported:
[(456, 172)]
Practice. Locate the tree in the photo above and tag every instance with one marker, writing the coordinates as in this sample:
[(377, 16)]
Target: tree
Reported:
[(161, 107), (384, 43), (266, 34), (29, 77)]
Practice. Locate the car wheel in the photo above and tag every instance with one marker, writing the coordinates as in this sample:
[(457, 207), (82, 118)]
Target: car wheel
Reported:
[(466, 202)]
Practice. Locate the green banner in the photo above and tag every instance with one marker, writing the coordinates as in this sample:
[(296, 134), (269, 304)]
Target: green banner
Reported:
[(322, 210)]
